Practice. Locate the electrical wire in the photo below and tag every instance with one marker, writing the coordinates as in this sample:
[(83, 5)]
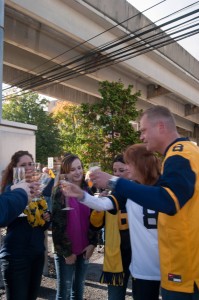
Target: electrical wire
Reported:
[(83, 43), (99, 58)]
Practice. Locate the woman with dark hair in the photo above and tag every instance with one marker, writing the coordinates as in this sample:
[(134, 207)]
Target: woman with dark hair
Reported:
[(144, 168), (73, 240), (22, 252), (117, 254)]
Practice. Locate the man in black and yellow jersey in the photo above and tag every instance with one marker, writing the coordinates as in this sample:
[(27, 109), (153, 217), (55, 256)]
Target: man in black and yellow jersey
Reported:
[(175, 197)]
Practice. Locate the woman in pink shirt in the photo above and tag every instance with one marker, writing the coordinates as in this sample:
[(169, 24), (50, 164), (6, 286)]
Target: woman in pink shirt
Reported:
[(73, 239)]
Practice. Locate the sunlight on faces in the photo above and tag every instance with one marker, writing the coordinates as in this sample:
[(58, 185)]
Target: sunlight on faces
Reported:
[(150, 133), (134, 173), (120, 170), (76, 172), (26, 162)]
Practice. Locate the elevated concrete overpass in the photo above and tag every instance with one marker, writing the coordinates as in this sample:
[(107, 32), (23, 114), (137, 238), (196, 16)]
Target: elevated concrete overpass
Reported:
[(41, 35)]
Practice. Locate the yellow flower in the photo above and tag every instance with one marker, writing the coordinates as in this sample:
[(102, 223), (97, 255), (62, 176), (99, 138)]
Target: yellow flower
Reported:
[(35, 211)]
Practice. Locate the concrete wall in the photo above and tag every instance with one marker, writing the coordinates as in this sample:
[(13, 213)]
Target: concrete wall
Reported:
[(15, 136)]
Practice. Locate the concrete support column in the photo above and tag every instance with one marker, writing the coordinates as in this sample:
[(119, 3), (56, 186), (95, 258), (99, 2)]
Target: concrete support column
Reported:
[(1, 51)]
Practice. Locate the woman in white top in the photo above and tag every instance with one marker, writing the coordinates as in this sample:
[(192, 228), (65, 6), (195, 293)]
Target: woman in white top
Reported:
[(144, 168)]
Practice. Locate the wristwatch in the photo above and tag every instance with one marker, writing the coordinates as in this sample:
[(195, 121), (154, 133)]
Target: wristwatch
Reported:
[(112, 183)]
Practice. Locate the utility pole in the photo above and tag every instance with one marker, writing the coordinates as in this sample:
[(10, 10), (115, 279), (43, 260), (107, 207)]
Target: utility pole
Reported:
[(1, 52)]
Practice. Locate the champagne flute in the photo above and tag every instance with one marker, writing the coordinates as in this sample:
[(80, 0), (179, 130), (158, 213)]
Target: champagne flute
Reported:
[(63, 179), (36, 173), (18, 174), (93, 167), (36, 176)]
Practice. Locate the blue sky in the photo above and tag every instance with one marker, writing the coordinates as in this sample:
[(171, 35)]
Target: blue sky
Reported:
[(191, 44)]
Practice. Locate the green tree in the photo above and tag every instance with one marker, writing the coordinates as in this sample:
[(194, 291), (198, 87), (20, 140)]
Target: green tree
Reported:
[(31, 109), (99, 131), (65, 115), (108, 123)]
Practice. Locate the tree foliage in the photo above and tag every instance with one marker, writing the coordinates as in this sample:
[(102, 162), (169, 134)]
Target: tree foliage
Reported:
[(31, 109), (99, 131)]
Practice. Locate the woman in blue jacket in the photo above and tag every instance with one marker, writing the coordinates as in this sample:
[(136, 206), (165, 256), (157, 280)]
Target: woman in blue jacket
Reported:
[(13, 203), (22, 252)]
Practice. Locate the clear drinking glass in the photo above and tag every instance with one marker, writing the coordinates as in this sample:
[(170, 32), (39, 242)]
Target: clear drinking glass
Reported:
[(36, 175), (93, 167), (36, 171), (63, 179), (18, 174)]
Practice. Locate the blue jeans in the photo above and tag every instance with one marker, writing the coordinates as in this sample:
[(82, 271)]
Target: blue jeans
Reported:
[(49, 202), (70, 278), (118, 292), (170, 295), (22, 276)]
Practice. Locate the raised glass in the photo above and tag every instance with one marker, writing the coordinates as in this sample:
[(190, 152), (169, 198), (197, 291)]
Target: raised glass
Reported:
[(63, 183)]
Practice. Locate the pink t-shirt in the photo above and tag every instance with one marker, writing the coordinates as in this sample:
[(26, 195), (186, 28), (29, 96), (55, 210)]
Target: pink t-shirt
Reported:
[(77, 226)]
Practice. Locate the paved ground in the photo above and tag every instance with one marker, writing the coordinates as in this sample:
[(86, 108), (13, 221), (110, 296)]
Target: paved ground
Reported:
[(93, 289)]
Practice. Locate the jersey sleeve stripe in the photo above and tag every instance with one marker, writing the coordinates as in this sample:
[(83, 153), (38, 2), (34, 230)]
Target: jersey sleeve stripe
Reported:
[(175, 199), (115, 201)]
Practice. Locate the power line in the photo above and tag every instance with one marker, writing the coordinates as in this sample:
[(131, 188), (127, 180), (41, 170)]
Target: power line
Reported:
[(83, 43), (99, 58)]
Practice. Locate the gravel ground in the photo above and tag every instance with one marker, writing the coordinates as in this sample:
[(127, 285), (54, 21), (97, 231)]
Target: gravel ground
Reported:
[(93, 289)]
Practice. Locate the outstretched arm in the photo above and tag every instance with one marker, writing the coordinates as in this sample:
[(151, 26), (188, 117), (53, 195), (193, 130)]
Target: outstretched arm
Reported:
[(12, 204), (102, 203)]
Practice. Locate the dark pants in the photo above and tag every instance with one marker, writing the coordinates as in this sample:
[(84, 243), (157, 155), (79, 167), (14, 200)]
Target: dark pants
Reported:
[(145, 289), (170, 295), (118, 292), (22, 276)]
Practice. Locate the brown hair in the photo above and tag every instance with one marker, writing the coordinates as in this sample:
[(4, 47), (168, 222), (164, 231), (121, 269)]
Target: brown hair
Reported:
[(66, 166), (8, 173), (147, 163), (67, 162)]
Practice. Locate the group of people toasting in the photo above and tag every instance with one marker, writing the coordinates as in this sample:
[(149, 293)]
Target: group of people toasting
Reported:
[(148, 207)]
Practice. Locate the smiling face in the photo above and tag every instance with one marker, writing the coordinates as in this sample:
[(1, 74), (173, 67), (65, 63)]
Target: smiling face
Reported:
[(26, 162), (134, 173), (75, 174), (120, 169), (150, 133)]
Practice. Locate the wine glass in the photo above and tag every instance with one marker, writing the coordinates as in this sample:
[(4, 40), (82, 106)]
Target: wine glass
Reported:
[(18, 174), (42, 178), (36, 171), (63, 179), (93, 167)]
